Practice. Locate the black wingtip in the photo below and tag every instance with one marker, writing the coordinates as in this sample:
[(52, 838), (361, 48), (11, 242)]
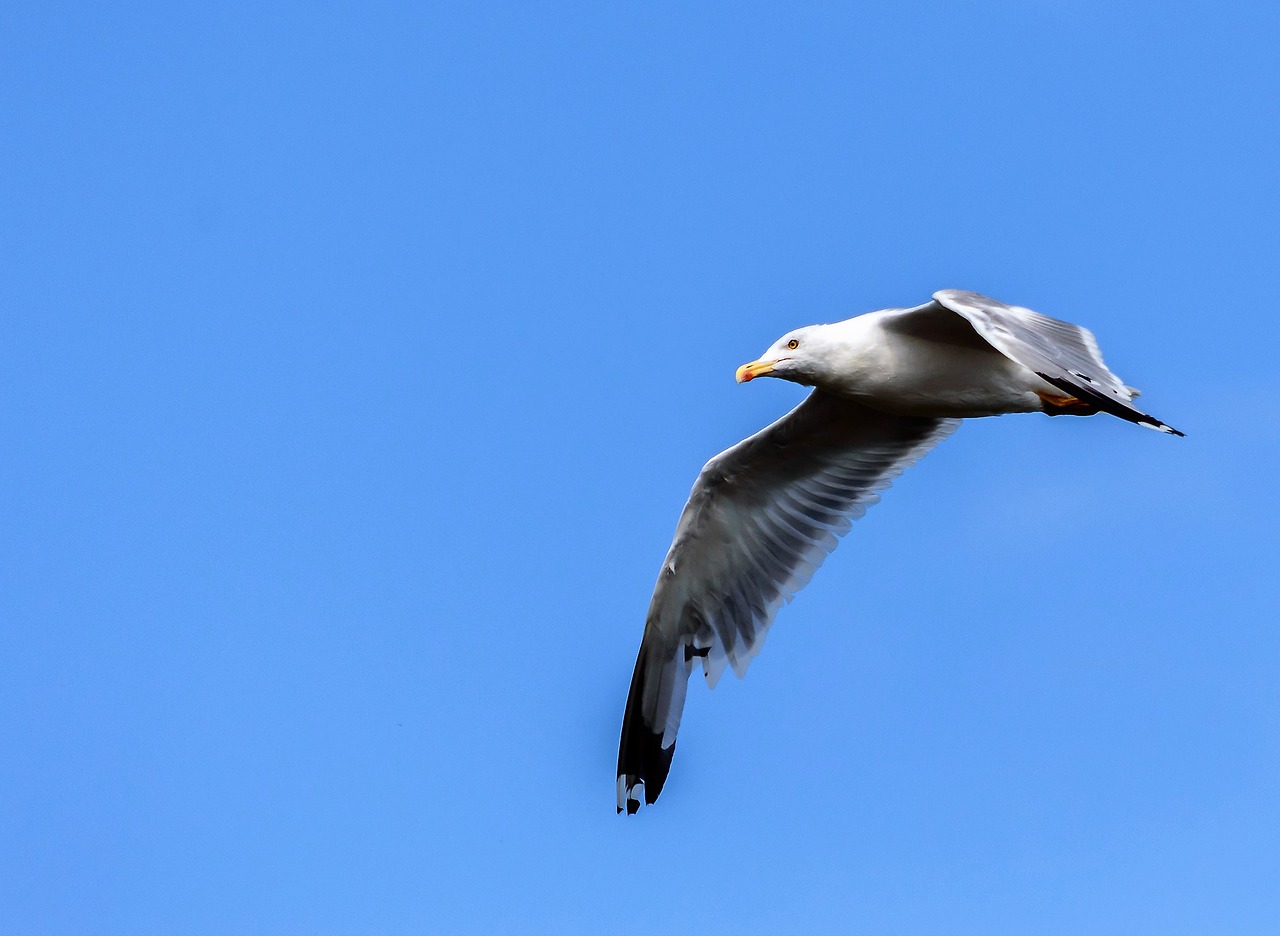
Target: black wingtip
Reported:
[(642, 760), (1107, 405), (1152, 423)]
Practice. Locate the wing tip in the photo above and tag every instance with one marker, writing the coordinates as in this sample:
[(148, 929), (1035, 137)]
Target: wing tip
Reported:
[(644, 775), (626, 800), (1148, 421), (1103, 403), (642, 760), (1158, 426)]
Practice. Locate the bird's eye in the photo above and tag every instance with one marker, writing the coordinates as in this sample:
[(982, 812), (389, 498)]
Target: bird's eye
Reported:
[(793, 344)]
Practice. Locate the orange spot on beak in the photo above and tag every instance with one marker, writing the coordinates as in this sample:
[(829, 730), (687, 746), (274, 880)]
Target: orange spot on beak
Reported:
[(753, 370)]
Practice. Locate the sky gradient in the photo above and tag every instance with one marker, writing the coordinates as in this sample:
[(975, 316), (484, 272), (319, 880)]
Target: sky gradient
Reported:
[(357, 361)]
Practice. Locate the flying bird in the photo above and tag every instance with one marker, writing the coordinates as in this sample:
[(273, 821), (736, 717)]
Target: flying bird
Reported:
[(764, 514)]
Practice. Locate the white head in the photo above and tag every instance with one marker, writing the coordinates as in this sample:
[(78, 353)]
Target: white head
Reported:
[(804, 356)]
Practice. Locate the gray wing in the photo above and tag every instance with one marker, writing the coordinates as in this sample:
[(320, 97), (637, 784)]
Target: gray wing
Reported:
[(1061, 353), (762, 517)]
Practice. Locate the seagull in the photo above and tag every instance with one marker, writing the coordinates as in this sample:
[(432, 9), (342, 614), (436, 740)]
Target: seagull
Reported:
[(764, 514)]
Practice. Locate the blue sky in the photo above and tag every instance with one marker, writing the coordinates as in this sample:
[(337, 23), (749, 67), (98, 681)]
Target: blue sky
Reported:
[(357, 360)]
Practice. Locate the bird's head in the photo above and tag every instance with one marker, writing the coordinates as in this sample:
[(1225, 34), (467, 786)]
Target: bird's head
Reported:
[(797, 356)]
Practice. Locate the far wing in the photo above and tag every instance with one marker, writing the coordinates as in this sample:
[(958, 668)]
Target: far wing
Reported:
[(762, 517), (1063, 354)]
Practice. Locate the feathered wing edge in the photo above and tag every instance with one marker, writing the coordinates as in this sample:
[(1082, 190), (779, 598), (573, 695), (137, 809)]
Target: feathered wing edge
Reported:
[(1108, 404), (1058, 352), (823, 439), (642, 760)]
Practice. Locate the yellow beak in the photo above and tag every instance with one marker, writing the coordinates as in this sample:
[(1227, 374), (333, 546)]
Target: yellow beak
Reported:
[(753, 370)]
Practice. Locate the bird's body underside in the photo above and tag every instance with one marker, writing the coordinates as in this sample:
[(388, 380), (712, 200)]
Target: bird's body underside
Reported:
[(906, 370), (764, 514)]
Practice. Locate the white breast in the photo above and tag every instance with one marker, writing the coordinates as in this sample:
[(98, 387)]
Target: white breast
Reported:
[(913, 376)]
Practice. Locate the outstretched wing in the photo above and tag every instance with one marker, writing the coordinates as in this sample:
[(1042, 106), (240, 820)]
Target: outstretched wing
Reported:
[(762, 517), (1062, 354)]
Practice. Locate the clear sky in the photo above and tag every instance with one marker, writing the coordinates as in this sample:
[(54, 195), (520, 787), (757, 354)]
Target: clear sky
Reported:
[(355, 362)]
